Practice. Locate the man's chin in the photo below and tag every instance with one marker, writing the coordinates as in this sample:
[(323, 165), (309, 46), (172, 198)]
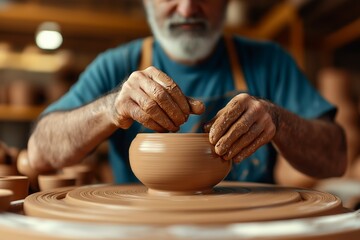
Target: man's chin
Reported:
[(188, 37), (189, 44), (188, 33), (189, 49), (192, 29)]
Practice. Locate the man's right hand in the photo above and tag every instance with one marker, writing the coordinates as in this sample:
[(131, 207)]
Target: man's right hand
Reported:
[(153, 99)]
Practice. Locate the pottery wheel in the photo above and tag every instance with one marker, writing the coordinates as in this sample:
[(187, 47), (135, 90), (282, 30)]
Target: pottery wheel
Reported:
[(229, 202)]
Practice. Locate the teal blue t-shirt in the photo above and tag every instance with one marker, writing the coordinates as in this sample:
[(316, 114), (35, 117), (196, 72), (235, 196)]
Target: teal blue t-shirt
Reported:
[(269, 72)]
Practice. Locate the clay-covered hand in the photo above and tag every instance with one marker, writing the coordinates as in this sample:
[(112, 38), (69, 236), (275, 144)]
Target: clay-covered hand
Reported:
[(153, 99), (241, 127)]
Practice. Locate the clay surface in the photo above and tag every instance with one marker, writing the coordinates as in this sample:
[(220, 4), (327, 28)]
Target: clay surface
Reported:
[(82, 173), (8, 170), (48, 182), (5, 197), (23, 166), (18, 184), (177, 163), (229, 202)]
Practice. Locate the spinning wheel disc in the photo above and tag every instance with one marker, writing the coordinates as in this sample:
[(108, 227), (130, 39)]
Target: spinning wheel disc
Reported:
[(227, 203)]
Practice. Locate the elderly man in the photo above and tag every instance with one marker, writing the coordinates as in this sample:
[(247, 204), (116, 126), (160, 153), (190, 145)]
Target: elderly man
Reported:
[(250, 96)]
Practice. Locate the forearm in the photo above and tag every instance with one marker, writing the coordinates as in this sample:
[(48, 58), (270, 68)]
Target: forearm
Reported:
[(314, 147), (64, 138)]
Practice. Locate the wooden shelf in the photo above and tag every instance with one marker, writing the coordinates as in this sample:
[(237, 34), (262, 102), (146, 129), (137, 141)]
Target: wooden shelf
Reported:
[(19, 113)]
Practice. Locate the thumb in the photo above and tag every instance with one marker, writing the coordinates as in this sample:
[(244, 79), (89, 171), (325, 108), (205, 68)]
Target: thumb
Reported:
[(196, 106)]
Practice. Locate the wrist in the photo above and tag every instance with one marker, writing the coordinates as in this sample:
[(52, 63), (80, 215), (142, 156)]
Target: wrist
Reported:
[(275, 113), (114, 111)]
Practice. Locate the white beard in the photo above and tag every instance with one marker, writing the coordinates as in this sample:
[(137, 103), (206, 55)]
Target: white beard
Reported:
[(187, 46)]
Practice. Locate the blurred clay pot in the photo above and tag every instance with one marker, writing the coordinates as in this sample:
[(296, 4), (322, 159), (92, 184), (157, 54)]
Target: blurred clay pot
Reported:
[(8, 160), (8, 170), (18, 184), (81, 172), (23, 166), (176, 163), (5, 199), (21, 93), (49, 182), (55, 90)]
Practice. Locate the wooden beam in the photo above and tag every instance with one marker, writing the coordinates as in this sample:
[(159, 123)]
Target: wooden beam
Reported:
[(19, 113), (73, 20), (343, 36), (297, 38), (279, 17), (33, 61)]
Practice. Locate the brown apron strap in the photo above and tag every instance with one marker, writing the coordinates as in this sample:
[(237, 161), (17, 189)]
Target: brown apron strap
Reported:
[(146, 53), (238, 75)]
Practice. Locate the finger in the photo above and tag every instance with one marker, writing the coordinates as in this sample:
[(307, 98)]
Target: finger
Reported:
[(240, 127), (226, 141), (158, 94), (247, 151), (152, 110), (207, 126), (264, 124), (196, 106), (171, 87), (137, 114), (244, 140), (231, 113)]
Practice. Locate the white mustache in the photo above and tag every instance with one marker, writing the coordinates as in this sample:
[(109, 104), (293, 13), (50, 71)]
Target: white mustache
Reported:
[(178, 20)]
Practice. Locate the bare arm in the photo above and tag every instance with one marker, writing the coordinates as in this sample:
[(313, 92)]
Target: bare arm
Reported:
[(64, 138), (314, 147)]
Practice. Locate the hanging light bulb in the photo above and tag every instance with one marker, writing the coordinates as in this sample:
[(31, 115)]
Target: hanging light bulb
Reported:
[(48, 36)]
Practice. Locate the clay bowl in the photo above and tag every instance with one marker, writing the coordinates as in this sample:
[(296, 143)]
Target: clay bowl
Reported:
[(7, 160), (49, 182), (81, 172), (24, 168), (5, 199), (18, 184), (8, 170), (176, 163)]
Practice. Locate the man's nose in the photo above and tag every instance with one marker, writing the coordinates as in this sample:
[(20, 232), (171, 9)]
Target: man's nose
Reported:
[(187, 8)]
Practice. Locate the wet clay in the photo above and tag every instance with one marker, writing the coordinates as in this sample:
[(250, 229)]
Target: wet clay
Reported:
[(229, 202), (180, 164)]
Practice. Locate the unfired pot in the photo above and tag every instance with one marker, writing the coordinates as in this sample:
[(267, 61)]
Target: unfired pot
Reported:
[(176, 163)]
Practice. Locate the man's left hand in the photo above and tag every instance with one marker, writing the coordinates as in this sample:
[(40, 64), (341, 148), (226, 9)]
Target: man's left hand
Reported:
[(242, 126)]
